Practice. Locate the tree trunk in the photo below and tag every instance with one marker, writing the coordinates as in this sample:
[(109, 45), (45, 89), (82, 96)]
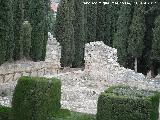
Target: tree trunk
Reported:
[(152, 70), (135, 64)]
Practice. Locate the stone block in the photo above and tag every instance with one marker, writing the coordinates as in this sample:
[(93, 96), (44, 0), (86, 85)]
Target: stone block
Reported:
[(9, 77)]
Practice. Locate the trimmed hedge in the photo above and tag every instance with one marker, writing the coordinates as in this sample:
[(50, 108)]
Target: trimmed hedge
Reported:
[(36, 98), (126, 103), (4, 113)]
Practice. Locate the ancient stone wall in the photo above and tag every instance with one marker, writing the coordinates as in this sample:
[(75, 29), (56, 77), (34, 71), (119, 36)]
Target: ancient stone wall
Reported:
[(12, 71), (101, 64)]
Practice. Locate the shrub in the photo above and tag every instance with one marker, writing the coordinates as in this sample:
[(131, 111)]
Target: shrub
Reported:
[(4, 113), (126, 103), (36, 98)]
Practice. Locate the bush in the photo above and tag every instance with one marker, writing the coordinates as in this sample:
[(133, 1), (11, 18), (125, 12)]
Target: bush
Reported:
[(126, 103), (4, 113), (36, 98)]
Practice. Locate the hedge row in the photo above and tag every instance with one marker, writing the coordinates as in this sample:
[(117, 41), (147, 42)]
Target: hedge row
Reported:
[(4, 112), (36, 98), (126, 103)]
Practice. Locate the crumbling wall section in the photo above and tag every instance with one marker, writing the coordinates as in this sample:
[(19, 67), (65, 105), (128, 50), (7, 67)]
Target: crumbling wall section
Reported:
[(101, 64)]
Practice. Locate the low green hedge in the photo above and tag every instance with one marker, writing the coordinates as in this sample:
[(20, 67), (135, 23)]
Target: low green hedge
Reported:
[(4, 113), (36, 98), (126, 103)]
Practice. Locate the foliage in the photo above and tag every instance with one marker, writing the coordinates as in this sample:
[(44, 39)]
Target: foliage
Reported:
[(36, 98), (137, 33), (4, 113), (18, 21), (38, 12), (156, 40), (91, 21), (26, 36), (122, 33), (52, 22), (79, 35), (65, 31), (6, 30), (127, 103)]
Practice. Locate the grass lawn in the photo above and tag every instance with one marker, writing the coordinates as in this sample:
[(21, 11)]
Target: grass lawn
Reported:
[(67, 115), (63, 114)]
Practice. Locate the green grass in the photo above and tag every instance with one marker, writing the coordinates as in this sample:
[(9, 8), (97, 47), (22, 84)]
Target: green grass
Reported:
[(63, 114), (67, 115)]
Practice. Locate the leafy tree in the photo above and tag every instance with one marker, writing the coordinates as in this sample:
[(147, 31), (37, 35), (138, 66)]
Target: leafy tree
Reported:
[(137, 33)]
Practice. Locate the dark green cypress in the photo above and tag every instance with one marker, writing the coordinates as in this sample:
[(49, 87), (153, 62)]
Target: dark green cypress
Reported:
[(101, 23), (107, 16), (156, 40), (26, 36), (60, 22), (3, 18), (91, 21), (6, 30), (18, 20), (10, 32), (79, 33), (38, 21), (46, 28), (65, 31), (68, 44), (137, 33), (121, 36)]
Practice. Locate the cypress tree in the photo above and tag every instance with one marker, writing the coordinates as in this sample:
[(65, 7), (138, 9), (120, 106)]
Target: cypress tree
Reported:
[(6, 30), (46, 28), (121, 36), (60, 22), (65, 31), (156, 40), (79, 35), (91, 20), (10, 32), (18, 21), (137, 33), (68, 44), (101, 22), (26, 36), (38, 21), (107, 16), (3, 18)]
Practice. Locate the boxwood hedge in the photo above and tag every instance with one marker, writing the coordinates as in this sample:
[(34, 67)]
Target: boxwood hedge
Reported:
[(127, 103), (36, 98), (4, 113)]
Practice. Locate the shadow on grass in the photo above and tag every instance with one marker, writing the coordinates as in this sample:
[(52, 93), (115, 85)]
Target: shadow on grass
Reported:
[(70, 115)]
